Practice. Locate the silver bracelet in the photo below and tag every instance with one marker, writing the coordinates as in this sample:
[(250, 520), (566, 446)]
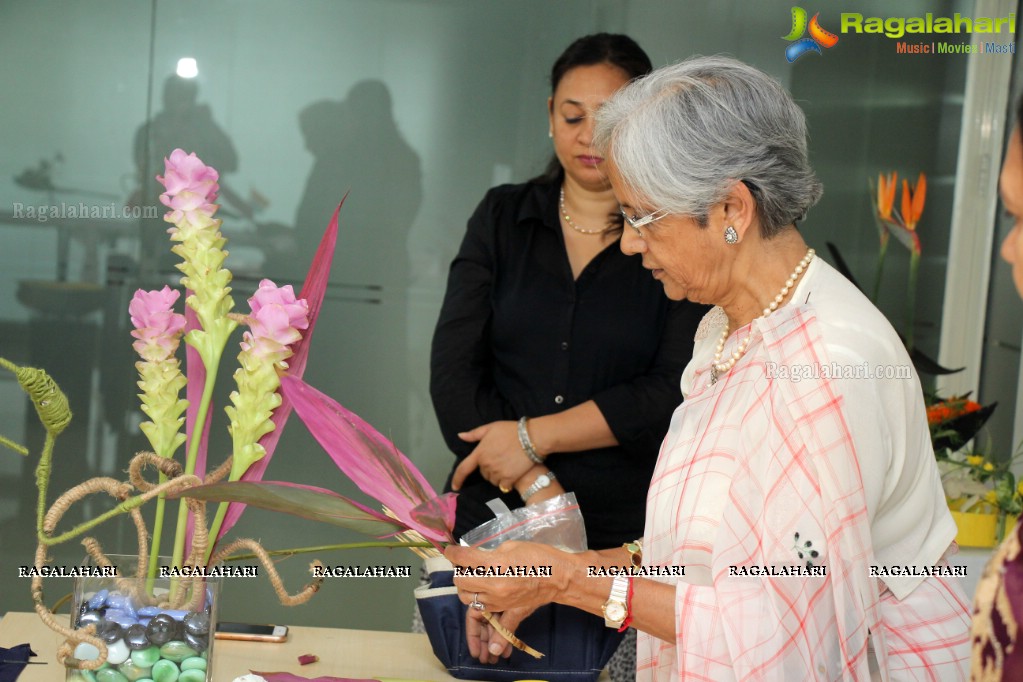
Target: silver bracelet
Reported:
[(527, 445)]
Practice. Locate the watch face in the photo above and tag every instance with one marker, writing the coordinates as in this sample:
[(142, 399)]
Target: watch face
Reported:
[(614, 611), (543, 480)]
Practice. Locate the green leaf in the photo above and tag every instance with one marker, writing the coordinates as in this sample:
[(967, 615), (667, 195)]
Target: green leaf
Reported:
[(308, 502)]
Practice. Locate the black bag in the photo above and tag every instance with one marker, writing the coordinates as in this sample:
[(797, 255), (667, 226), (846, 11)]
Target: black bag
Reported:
[(576, 645)]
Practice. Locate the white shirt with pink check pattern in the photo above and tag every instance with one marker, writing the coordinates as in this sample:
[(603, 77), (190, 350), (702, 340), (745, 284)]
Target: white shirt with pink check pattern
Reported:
[(782, 463)]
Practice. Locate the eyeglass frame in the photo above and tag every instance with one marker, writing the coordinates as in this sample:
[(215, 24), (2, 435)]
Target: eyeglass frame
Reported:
[(636, 223)]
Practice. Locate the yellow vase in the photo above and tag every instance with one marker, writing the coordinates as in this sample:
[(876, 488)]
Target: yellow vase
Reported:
[(980, 530)]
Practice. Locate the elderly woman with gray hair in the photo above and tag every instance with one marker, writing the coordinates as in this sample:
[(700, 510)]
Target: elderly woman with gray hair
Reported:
[(796, 527)]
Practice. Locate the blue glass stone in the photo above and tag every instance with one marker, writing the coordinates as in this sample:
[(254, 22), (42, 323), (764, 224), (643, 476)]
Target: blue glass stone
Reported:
[(175, 614), (122, 618), (116, 600), (148, 611), (99, 599)]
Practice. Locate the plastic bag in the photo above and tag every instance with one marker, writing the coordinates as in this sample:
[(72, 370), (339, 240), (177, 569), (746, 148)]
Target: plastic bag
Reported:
[(556, 522)]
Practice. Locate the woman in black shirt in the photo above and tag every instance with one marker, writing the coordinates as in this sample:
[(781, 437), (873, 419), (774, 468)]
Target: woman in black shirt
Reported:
[(545, 319)]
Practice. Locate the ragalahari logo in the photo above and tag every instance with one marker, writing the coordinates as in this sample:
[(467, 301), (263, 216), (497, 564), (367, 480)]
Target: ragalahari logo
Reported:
[(819, 37)]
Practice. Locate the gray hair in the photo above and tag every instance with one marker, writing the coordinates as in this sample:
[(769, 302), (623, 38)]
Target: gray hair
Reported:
[(682, 137)]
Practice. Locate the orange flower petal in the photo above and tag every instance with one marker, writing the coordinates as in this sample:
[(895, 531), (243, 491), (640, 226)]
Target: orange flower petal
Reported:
[(907, 204), (919, 197)]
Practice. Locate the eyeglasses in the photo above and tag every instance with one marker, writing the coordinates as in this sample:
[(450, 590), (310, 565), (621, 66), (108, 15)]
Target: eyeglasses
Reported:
[(636, 222)]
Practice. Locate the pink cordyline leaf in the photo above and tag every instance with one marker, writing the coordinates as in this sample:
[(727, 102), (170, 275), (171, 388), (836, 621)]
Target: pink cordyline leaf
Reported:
[(371, 461), (312, 291)]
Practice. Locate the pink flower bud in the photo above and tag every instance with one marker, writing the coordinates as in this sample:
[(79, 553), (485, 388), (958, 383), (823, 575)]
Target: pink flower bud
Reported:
[(157, 327)]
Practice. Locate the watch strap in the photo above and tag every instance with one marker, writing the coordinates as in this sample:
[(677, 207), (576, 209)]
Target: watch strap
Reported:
[(541, 482)]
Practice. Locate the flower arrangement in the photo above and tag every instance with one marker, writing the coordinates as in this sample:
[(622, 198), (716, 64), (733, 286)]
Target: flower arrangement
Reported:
[(271, 362)]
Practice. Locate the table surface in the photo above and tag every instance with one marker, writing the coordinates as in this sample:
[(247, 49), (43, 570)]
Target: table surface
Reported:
[(343, 653)]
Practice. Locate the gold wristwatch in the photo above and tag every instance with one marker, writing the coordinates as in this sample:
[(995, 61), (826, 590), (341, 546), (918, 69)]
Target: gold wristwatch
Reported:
[(616, 607)]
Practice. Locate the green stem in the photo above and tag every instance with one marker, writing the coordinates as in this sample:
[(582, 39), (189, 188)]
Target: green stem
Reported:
[(330, 548), (914, 266), (20, 449), (43, 482), (154, 551), (193, 451)]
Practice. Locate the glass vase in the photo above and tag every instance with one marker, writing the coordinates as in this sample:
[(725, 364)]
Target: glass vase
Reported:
[(147, 637)]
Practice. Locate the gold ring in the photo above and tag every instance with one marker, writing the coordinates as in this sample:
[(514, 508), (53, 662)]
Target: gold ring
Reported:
[(504, 490)]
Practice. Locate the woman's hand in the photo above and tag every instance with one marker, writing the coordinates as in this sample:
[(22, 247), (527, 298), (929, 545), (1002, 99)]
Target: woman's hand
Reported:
[(500, 594), (484, 642), (498, 455)]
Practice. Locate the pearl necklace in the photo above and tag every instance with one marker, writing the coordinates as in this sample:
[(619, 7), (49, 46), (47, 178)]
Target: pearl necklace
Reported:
[(718, 368), (568, 220)]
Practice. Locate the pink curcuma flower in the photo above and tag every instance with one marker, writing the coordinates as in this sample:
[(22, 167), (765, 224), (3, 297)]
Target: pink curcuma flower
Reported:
[(191, 189), (275, 321), (157, 327)]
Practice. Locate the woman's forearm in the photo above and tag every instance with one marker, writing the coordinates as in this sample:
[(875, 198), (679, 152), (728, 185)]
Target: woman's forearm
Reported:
[(652, 605), (582, 427)]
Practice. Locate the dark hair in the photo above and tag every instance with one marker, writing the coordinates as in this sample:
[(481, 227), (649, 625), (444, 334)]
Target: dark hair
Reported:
[(600, 48)]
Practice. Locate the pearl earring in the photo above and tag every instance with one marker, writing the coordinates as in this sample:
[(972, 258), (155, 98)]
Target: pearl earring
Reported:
[(731, 236), (550, 133)]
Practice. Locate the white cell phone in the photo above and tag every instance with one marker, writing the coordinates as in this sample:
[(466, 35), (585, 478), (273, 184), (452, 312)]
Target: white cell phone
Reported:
[(251, 632)]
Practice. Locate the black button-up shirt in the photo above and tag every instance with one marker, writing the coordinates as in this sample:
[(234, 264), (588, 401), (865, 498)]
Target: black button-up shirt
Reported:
[(519, 336)]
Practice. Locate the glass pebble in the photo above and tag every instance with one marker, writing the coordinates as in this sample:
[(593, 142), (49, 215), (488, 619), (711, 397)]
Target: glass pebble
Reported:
[(194, 663), (193, 675), (117, 652), (177, 651), (116, 600), (175, 613), (165, 671), (110, 675), (89, 618), (86, 652), (161, 629), (134, 672), (146, 658), (98, 600), (148, 611), (197, 623), (197, 642), (109, 631), (121, 617), (135, 637)]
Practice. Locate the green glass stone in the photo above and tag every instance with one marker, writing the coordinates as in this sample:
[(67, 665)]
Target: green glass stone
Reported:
[(165, 671), (110, 675), (133, 671), (146, 658), (194, 663), (177, 651), (192, 675), (87, 675)]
